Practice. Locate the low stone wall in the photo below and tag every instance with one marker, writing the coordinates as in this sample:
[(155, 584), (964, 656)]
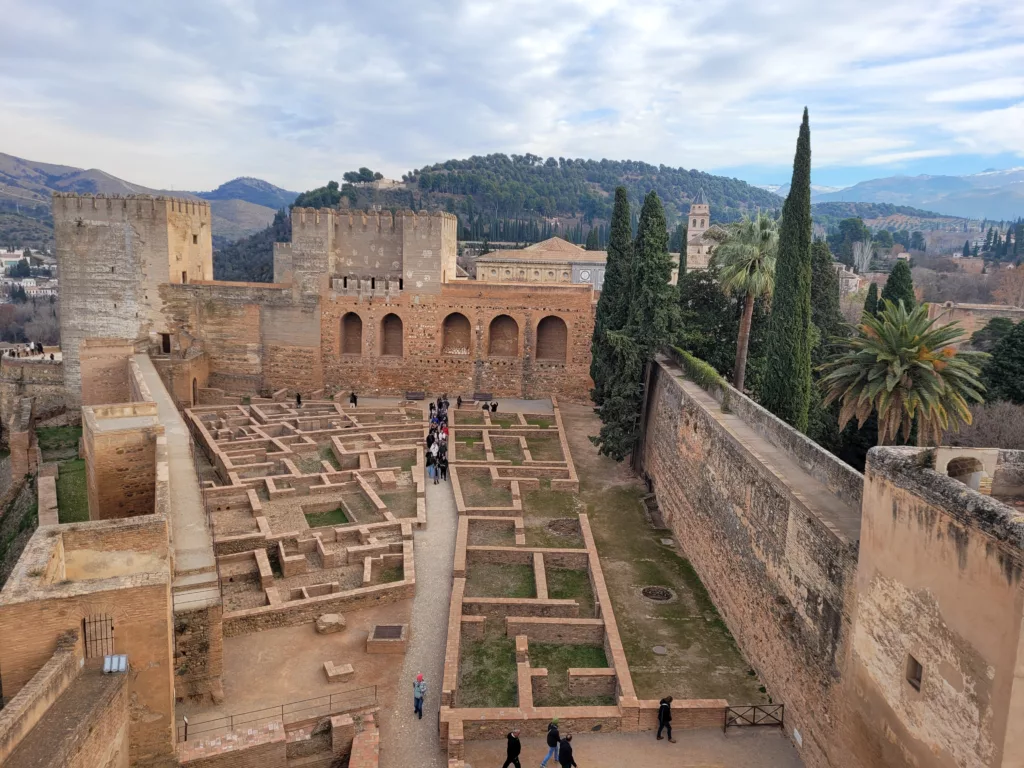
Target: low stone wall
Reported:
[(500, 607), (560, 630), (686, 714), (592, 682), (261, 746), (47, 500), (297, 612)]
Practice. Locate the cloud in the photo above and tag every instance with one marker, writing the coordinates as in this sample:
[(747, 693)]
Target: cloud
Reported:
[(191, 94)]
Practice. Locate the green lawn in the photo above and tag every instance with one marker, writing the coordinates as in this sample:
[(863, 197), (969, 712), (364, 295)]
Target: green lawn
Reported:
[(58, 442), (332, 517), (487, 672), (72, 495), (558, 659)]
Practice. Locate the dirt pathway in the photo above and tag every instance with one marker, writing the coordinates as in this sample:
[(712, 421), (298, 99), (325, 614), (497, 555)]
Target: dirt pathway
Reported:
[(405, 739)]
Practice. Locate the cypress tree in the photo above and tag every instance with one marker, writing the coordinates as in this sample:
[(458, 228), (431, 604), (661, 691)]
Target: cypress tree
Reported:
[(786, 388), (967, 249), (900, 286), (613, 304), (825, 312), (592, 240), (648, 323), (1003, 373), (871, 302)]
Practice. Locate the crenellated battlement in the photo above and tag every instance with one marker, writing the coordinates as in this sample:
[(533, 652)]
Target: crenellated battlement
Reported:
[(73, 202), (380, 221)]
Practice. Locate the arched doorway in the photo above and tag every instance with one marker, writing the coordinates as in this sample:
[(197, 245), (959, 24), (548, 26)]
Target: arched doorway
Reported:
[(503, 337), (455, 335), (351, 334), (967, 470), (552, 339), (391, 335)]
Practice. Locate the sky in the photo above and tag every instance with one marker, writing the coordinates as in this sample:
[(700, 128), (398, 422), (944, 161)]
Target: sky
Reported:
[(186, 95)]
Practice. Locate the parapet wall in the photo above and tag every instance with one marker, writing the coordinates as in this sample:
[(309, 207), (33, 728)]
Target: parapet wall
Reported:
[(782, 577), (41, 380)]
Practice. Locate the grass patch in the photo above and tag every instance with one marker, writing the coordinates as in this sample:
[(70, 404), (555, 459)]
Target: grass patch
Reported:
[(326, 453), (390, 574), (400, 503), (487, 674), (508, 450), (309, 464), (72, 494), (540, 508), (540, 422), (470, 450), (493, 580), (558, 659), (335, 516), (504, 423), (477, 490), (58, 442), (569, 584), (468, 417), (491, 535), (545, 448), (359, 507)]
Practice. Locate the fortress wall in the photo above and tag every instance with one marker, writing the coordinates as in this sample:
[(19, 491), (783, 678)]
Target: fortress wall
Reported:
[(368, 245), (973, 317), (940, 579), (783, 582), (313, 239), (429, 243)]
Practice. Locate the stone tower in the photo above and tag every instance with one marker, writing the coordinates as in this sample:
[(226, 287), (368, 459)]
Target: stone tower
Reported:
[(113, 253), (700, 219)]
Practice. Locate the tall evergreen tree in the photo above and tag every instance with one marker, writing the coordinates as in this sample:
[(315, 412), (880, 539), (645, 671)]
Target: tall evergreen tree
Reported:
[(1003, 373), (613, 304), (786, 390), (592, 241), (967, 248), (871, 302), (648, 323), (825, 312), (900, 286)]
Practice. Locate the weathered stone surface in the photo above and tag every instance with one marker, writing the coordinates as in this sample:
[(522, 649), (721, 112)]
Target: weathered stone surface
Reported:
[(330, 623)]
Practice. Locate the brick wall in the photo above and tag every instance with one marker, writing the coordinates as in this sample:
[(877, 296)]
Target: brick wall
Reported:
[(560, 630), (199, 652), (120, 463), (781, 579), (41, 380), (100, 739), (104, 370), (262, 746)]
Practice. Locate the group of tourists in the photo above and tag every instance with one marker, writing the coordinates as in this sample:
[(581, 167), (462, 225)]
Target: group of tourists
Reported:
[(559, 748), (437, 440)]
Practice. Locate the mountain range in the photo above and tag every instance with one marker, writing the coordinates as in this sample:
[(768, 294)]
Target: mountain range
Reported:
[(238, 208), (992, 194)]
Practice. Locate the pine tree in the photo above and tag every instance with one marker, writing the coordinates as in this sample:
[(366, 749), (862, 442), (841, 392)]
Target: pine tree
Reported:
[(1003, 373), (648, 323), (786, 390), (613, 304), (871, 302), (900, 286)]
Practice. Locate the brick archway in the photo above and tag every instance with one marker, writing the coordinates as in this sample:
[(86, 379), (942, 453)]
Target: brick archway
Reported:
[(552, 339), (456, 335), (351, 334), (391, 330), (503, 337)]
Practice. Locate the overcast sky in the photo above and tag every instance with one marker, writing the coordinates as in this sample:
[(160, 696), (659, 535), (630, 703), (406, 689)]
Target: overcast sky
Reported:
[(188, 94)]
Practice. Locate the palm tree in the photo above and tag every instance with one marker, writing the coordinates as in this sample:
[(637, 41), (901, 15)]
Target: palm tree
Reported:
[(745, 255), (905, 370)]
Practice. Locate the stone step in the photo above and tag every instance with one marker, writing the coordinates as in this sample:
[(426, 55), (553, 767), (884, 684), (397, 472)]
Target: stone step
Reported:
[(193, 599), (191, 561), (204, 580)]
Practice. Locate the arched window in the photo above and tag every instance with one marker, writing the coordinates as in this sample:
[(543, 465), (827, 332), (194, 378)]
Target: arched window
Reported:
[(351, 334), (552, 339), (702, 222), (967, 470), (455, 336), (503, 337), (391, 335), (694, 223)]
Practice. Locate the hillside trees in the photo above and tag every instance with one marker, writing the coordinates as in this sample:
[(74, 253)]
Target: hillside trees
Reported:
[(649, 320), (786, 391), (985, 339), (1003, 372), (251, 259), (1011, 288)]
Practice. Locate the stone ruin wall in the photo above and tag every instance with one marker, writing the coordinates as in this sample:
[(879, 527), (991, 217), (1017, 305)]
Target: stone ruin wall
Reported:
[(39, 379), (783, 582)]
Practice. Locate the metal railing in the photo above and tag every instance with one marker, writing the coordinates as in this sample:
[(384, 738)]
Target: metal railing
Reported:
[(759, 715), (292, 712)]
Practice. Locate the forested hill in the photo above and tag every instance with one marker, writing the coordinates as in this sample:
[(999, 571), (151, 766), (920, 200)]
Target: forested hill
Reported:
[(523, 184)]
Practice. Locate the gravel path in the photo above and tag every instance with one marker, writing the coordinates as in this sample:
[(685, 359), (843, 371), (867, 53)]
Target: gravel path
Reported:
[(407, 741)]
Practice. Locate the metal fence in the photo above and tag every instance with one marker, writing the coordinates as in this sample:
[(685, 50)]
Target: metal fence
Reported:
[(759, 715), (292, 712)]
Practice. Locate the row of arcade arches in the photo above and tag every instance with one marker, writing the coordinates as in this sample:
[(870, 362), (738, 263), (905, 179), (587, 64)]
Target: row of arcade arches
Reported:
[(457, 336)]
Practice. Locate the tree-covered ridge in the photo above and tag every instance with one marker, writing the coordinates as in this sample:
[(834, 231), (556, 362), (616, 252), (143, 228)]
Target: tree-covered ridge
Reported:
[(522, 183)]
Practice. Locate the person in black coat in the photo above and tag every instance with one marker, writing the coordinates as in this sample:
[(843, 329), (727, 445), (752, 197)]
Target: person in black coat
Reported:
[(565, 758), (513, 750), (552, 742), (665, 717)]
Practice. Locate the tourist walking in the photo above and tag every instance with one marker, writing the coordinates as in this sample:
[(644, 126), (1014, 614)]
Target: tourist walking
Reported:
[(419, 692), (458, 401), (565, 758), (553, 739), (513, 749), (443, 466), (665, 718), (353, 400)]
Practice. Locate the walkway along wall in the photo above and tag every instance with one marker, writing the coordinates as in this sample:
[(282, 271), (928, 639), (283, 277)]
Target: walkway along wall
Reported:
[(885, 612)]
